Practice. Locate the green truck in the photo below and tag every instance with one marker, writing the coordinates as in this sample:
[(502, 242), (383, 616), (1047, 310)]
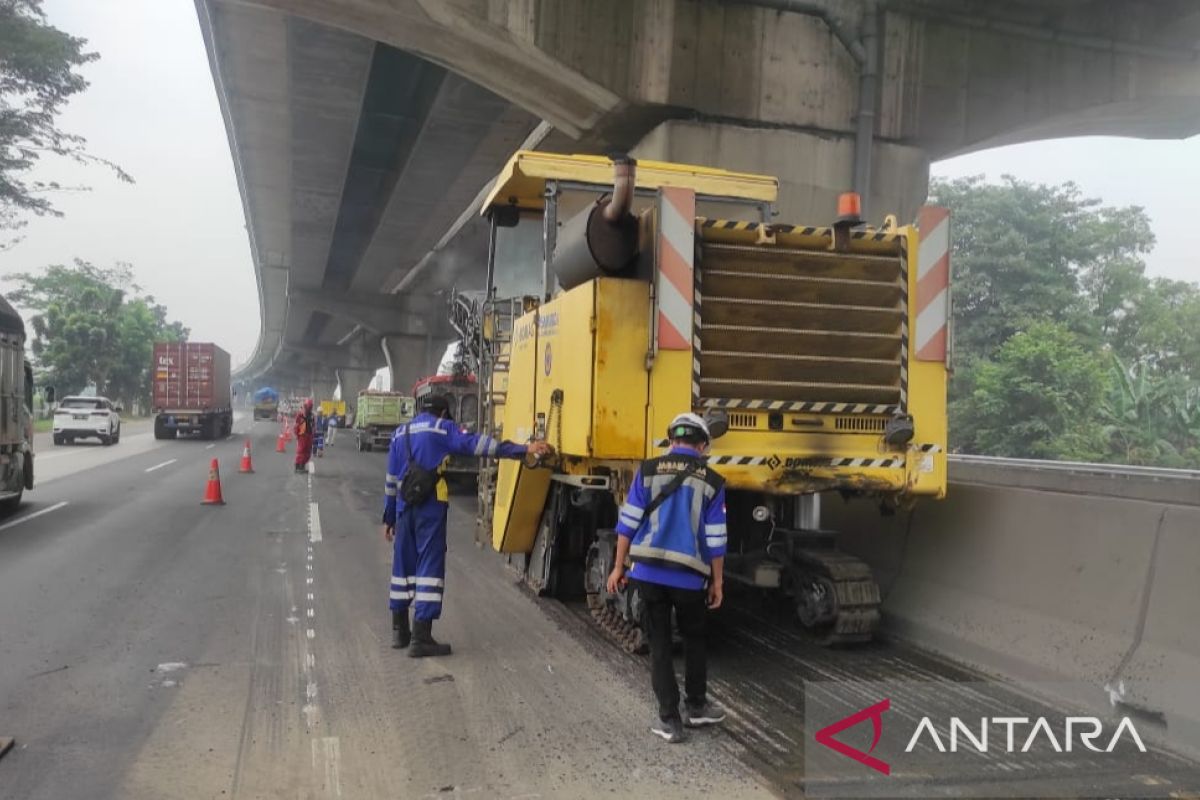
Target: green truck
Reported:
[(378, 415)]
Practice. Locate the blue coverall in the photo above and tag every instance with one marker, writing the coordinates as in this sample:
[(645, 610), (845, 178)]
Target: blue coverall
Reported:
[(419, 547)]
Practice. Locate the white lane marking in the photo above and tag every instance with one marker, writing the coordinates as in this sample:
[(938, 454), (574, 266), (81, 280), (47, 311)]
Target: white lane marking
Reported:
[(310, 661), (327, 753), (311, 597), (312, 468), (209, 447), (312, 612), (163, 464), (34, 515), (171, 666), (310, 633), (308, 581), (314, 523)]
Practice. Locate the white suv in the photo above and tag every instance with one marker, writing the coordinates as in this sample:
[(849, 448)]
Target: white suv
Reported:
[(85, 417)]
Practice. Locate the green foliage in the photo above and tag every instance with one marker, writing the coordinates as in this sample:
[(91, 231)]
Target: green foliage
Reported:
[(38, 74), (1065, 349), (92, 325), (1026, 401)]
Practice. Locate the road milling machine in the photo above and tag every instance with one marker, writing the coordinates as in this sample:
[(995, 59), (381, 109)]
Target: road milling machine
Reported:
[(620, 294)]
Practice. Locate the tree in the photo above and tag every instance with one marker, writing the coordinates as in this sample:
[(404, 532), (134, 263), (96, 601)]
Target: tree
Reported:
[(1019, 251), (92, 326), (1039, 397), (38, 74), (1117, 377)]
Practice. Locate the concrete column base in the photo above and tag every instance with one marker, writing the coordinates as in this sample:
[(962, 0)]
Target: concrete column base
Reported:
[(813, 168)]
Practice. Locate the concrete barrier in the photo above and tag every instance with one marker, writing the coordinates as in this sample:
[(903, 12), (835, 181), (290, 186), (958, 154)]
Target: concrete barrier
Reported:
[(1049, 573)]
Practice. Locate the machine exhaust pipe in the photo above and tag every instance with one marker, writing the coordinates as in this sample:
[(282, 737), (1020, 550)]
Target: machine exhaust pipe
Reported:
[(624, 179), (601, 240)]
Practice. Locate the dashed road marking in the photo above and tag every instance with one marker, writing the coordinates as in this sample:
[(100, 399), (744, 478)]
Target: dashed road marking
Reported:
[(163, 464), (327, 755), (209, 447), (310, 633), (34, 515)]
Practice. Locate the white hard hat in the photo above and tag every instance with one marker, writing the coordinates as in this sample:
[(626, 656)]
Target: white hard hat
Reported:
[(688, 423)]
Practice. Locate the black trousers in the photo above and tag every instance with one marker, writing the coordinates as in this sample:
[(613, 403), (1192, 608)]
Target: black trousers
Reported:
[(691, 614)]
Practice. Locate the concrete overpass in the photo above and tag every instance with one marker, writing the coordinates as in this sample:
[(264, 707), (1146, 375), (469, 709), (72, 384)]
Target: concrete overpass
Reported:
[(364, 130)]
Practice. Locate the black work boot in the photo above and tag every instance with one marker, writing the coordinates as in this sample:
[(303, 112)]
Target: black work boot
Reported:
[(401, 635), (423, 644)]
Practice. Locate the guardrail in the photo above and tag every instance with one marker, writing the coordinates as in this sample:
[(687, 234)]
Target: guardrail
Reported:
[(1044, 571), (1151, 484)]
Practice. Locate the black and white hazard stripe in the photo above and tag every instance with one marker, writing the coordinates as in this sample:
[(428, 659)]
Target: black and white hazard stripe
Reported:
[(799, 406), (904, 331), (696, 302), (758, 461), (926, 448)]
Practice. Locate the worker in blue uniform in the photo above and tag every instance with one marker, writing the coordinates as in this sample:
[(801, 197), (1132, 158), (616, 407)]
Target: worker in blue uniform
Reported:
[(416, 502), (672, 526)]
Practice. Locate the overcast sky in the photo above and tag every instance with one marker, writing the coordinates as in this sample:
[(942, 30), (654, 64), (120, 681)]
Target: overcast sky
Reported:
[(152, 109)]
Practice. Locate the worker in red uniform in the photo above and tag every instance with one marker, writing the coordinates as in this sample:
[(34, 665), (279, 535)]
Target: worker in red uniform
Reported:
[(305, 429)]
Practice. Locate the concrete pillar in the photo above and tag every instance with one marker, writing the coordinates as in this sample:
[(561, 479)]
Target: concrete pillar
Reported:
[(321, 383), (407, 360), (812, 169)]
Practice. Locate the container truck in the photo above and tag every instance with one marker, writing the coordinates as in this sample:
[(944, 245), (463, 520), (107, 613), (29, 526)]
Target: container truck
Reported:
[(16, 410), (819, 351), (266, 403), (191, 390), (378, 415)]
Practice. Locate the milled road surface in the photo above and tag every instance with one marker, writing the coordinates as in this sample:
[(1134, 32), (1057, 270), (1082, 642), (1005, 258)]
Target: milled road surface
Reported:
[(151, 647)]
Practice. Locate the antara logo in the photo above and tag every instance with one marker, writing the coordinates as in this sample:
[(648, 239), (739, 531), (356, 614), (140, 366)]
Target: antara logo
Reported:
[(1005, 734), (873, 713)]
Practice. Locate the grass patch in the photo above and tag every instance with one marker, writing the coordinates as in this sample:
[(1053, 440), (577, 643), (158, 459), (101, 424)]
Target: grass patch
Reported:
[(43, 425)]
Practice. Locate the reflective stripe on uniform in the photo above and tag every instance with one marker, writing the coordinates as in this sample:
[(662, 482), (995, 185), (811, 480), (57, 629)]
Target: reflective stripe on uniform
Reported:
[(662, 554), (429, 597), (429, 582), (401, 595)]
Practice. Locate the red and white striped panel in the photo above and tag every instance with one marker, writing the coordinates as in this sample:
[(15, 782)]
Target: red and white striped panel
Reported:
[(676, 248), (933, 284)]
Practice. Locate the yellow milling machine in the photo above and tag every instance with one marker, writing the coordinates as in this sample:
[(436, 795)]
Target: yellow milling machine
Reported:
[(620, 294)]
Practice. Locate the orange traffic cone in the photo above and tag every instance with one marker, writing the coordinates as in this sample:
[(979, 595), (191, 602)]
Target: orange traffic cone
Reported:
[(246, 465), (212, 492), (281, 444)]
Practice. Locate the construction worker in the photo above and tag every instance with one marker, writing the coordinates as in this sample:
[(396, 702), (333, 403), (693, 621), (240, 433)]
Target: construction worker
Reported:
[(305, 429), (416, 501), (331, 429), (672, 526), (319, 434)]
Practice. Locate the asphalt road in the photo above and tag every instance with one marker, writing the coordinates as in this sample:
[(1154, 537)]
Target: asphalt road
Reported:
[(152, 647)]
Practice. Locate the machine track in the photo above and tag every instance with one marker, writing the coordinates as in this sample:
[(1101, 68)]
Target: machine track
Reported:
[(837, 598), (630, 637)]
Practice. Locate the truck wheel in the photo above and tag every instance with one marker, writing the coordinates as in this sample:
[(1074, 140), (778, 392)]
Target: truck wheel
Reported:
[(106, 440), (58, 440)]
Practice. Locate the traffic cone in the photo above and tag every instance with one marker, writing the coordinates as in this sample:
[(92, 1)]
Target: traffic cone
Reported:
[(246, 465), (281, 444), (212, 492)]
